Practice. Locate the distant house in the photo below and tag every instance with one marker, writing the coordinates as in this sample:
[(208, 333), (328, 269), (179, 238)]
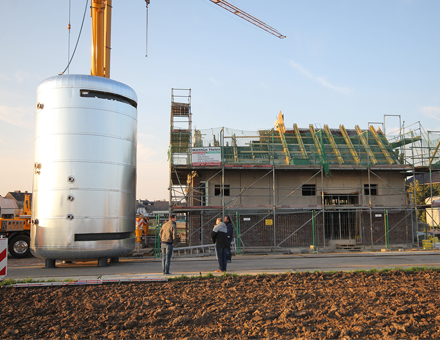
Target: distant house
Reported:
[(18, 196), (8, 208), (425, 178), (433, 211), (150, 208), (141, 209)]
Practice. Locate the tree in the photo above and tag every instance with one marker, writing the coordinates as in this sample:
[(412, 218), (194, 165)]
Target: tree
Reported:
[(422, 193)]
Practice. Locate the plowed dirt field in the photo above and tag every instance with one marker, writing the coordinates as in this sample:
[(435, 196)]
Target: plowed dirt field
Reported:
[(381, 305)]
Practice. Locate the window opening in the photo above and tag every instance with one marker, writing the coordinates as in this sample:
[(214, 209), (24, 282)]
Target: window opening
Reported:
[(340, 224), (340, 199), (218, 190), (308, 189), (373, 189)]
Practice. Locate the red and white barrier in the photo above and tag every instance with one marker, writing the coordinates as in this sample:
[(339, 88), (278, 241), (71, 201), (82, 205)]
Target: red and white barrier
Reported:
[(3, 257)]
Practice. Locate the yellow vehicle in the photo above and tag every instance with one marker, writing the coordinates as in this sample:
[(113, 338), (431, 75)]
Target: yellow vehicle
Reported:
[(17, 230)]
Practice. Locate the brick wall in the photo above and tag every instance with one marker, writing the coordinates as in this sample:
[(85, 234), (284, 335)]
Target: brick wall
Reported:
[(399, 224), (294, 229)]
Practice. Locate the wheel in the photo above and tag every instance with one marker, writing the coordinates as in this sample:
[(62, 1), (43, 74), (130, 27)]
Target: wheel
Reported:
[(19, 246)]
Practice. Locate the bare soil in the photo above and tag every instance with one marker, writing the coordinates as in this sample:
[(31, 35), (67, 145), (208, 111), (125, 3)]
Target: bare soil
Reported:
[(381, 305)]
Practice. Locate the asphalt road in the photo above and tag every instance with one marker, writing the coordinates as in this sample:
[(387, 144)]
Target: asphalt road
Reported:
[(149, 267)]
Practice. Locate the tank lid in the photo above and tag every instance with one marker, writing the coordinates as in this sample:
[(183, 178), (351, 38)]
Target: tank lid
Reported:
[(88, 82)]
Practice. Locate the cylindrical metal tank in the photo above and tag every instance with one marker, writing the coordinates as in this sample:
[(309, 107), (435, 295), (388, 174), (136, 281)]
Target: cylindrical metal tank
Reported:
[(84, 189)]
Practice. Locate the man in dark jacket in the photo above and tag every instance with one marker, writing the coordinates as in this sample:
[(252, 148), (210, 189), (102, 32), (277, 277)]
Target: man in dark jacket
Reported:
[(230, 228), (168, 234), (219, 236)]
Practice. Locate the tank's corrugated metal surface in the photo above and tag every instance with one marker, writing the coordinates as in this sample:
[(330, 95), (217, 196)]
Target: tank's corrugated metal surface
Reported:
[(86, 185)]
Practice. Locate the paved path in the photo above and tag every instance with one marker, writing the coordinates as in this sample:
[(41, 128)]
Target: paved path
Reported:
[(148, 267)]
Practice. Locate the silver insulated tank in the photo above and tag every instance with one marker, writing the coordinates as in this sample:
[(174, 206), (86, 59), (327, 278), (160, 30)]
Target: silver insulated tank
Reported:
[(84, 189)]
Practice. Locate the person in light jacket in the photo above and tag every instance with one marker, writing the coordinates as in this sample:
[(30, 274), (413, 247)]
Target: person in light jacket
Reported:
[(219, 236), (168, 235)]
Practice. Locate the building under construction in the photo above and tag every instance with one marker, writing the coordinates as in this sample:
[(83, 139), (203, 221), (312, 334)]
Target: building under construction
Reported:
[(298, 187)]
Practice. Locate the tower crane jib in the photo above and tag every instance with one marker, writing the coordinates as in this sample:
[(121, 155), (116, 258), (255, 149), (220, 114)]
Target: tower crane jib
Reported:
[(248, 17), (101, 31)]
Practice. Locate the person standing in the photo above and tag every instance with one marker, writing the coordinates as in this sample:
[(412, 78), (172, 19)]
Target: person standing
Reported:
[(230, 228), (168, 234), (219, 236), (139, 228)]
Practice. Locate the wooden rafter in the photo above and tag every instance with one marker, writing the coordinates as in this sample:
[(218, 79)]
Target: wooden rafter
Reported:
[(349, 144), (317, 143), (279, 126), (300, 142), (333, 144), (234, 147), (365, 144), (434, 153), (382, 147)]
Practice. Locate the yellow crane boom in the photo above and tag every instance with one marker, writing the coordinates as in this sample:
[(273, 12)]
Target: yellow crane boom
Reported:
[(101, 37)]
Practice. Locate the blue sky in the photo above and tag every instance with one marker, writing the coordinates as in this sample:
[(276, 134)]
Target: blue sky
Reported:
[(343, 62)]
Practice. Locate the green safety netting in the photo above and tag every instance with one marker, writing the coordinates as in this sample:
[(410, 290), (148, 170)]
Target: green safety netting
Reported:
[(318, 146)]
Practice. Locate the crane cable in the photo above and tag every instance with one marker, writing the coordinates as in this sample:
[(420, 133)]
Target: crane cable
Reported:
[(79, 35), (147, 2)]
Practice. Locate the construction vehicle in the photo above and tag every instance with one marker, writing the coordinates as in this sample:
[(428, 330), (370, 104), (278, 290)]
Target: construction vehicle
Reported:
[(17, 230)]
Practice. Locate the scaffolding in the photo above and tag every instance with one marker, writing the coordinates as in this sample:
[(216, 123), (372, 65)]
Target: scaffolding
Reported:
[(302, 187)]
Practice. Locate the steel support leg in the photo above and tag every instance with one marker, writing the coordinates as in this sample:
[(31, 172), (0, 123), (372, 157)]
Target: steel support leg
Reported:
[(49, 263), (102, 262)]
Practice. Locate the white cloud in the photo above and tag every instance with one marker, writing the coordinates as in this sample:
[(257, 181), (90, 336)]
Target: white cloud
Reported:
[(148, 137), (4, 77), (17, 116), (20, 76), (144, 152), (214, 81), (391, 131), (431, 111), (321, 80)]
